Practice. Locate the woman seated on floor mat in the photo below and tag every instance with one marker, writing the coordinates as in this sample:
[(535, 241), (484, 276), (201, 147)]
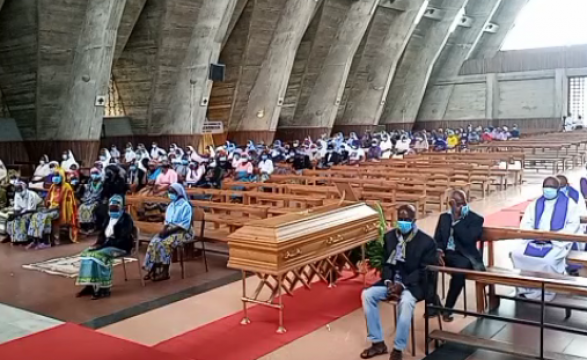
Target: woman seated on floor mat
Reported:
[(115, 240), (177, 229)]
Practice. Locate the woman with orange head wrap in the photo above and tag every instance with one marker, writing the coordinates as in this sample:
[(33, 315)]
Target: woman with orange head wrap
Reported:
[(61, 210)]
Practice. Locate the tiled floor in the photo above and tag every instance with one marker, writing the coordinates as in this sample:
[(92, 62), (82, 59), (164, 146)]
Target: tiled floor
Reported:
[(344, 338), (15, 323)]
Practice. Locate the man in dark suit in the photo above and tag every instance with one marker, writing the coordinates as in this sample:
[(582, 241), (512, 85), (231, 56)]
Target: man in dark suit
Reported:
[(456, 236), (408, 251)]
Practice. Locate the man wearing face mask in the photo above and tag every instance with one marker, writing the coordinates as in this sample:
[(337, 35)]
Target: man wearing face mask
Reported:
[(456, 237), (553, 211), (408, 252)]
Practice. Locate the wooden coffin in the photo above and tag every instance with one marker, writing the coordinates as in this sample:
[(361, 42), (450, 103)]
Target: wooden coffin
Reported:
[(280, 244)]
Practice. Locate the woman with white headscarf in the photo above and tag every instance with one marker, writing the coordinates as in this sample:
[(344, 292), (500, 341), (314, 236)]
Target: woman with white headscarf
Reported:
[(68, 160), (41, 172), (105, 157), (129, 154), (25, 205)]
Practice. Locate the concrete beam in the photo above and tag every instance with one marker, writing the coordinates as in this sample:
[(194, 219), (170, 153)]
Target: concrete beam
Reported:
[(326, 95), (130, 16), (189, 102), (147, 71), (261, 113), (90, 76), (236, 15), (375, 64), (452, 57), (491, 40), (422, 52)]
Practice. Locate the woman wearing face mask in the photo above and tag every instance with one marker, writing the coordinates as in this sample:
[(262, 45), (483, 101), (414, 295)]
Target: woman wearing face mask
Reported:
[(90, 201), (194, 174), (25, 205), (61, 210), (136, 175), (265, 167), (129, 154), (167, 177), (67, 160), (244, 171), (41, 172), (177, 229), (115, 240)]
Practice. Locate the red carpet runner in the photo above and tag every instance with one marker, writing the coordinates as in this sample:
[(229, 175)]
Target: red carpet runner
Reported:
[(74, 342), (305, 312)]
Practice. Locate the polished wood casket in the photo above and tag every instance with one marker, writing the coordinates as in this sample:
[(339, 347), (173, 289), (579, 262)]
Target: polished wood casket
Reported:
[(278, 245)]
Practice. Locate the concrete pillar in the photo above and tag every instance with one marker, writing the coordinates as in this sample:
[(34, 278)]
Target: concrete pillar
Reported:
[(502, 22), (492, 97), (261, 114), (189, 102), (130, 16), (236, 15), (325, 96), (375, 65), (463, 39), (561, 89), (80, 125), (408, 87)]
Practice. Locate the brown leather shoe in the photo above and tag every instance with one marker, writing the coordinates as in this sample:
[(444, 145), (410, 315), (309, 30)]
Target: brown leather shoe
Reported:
[(395, 355), (376, 349)]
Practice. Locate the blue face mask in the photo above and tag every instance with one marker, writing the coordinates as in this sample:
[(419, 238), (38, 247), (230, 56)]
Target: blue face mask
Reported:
[(74, 182), (465, 210), (133, 168), (405, 227), (550, 193), (115, 214), (172, 196), (184, 162), (95, 176), (56, 180)]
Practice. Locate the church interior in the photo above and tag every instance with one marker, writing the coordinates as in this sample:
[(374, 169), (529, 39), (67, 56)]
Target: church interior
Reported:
[(293, 179)]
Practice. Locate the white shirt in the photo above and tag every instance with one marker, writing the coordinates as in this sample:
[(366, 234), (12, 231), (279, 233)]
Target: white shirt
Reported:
[(110, 228), (403, 145), (26, 201), (356, 155), (129, 156), (572, 222), (193, 177), (266, 166)]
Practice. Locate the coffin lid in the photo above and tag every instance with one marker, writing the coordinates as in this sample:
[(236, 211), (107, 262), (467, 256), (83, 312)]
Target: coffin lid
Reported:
[(298, 225)]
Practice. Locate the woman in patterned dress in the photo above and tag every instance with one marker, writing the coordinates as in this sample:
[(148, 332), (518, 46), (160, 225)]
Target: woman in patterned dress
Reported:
[(177, 229), (115, 240), (90, 201), (25, 205)]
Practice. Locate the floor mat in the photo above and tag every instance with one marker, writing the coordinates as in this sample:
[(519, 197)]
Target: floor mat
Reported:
[(66, 266), (74, 342), (305, 312)]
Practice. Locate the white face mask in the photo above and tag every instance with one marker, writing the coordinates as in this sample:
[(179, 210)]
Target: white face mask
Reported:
[(64, 157)]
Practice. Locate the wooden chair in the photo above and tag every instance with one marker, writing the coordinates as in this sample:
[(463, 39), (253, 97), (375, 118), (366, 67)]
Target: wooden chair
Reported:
[(133, 254), (198, 214)]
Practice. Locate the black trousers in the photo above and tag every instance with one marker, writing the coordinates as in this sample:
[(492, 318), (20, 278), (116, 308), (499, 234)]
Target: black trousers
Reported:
[(457, 281)]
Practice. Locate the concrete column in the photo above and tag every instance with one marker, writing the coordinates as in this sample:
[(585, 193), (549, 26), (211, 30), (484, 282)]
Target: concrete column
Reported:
[(408, 87), (326, 95), (463, 39), (561, 89), (261, 114), (130, 16), (492, 97), (236, 14), (503, 20), (375, 65), (92, 64), (189, 101)]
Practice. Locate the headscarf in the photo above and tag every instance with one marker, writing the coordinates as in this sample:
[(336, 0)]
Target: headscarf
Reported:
[(26, 200), (179, 189), (3, 171), (114, 200), (66, 164)]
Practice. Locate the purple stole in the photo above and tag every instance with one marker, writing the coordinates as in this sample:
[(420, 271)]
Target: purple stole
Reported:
[(572, 193), (557, 222)]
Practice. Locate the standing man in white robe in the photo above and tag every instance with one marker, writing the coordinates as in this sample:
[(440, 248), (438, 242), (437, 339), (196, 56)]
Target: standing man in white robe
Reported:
[(553, 211)]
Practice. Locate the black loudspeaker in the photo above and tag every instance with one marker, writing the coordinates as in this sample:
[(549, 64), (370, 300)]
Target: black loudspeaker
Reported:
[(217, 72)]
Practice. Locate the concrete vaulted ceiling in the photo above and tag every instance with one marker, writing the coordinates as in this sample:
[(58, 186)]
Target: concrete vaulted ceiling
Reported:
[(296, 67)]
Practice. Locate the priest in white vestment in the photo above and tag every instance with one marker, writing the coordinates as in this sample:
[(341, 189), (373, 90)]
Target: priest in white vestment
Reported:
[(555, 212)]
